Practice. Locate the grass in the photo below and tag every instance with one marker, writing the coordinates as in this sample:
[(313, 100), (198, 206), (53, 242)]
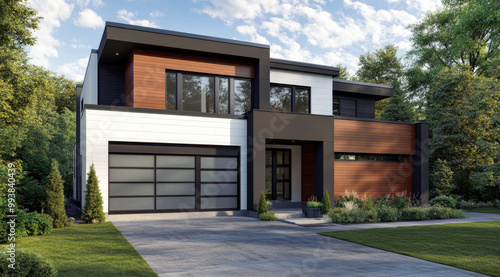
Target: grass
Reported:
[(471, 246), (89, 250), (491, 210)]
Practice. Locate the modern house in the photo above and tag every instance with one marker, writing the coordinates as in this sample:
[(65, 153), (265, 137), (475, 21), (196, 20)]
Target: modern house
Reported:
[(182, 122)]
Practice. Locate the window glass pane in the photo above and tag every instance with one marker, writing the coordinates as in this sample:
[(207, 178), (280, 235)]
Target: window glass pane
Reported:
[(219, 203), (175, 175), (367, 157), (175, 189), (269, 157), (123, 189), (287, 157), (219, 163), (118, 160), (219, 189), (223, 95), (171, 90), (280, 99), (198, 93), (174, 203), (219, 176), (301, 100), (131, 175), (242, 96), (131, 203), (175, 161), (336, 107)]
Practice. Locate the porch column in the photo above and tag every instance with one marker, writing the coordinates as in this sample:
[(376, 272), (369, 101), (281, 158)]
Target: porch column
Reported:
[(323, 168)]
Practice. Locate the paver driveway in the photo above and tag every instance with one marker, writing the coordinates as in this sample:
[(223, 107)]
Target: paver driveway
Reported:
[(244, 246)]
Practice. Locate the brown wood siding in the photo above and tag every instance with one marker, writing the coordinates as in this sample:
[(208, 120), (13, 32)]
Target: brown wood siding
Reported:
[(307, 167), (352, 136), (129, 82), (373, 179), (149, 73)]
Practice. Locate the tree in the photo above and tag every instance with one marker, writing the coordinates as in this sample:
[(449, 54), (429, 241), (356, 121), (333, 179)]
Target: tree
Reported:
[(382, 67), (327, 204), (464, 112), (398, 108), (440, 179), (262, 204), (54, 205), (92, 210), (343, 73)]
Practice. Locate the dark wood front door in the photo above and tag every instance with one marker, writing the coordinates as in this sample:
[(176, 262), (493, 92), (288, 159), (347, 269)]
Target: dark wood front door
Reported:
[(278, 174)]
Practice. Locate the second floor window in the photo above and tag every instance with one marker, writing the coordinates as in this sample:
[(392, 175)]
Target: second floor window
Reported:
[(207, 94), (290, 99)]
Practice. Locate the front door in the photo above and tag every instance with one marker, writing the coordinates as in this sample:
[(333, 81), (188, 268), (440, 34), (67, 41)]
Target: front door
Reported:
[(278, 166)]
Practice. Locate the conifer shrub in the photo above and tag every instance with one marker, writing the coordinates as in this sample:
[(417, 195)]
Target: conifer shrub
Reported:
[(444, 201), (92, 210), (27, 265), (54, 204), (262, 204), (327, 204)]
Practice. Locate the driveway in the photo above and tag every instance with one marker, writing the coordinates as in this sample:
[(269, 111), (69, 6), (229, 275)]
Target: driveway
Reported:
[(245, 246)]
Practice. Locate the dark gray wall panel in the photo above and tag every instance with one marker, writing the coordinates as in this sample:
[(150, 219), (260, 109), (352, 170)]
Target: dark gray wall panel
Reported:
[(111, 85)]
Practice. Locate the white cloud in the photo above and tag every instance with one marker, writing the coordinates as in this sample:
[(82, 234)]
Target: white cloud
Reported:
[(53, 12), (129, 17), (74, 70), (88, 18), (156, 13), (424, 5), (239, 9), (81, 45), (251, 31), (85, 3)]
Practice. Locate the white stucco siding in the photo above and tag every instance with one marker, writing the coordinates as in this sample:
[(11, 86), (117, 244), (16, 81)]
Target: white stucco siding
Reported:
[(105, 126), (89, 89), (321, 87)]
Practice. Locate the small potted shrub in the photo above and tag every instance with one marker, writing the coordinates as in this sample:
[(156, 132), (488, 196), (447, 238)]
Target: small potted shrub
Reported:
[(313, 209)]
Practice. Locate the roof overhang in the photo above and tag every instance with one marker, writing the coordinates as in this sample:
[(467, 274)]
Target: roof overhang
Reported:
[(305, 67), (369, 89), (118, 41)]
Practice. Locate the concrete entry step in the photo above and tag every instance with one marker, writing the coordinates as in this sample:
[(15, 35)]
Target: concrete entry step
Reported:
[(289, 213)]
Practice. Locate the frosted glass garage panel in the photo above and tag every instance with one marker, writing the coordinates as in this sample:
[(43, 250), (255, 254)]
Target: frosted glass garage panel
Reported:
[(125, 189), (175, 175), (219, 203), (116, 160), (175, 189), (131, 203), (219, 189), (219, 163), (175, 161), (175, 203), (131, 175), (219, 176)]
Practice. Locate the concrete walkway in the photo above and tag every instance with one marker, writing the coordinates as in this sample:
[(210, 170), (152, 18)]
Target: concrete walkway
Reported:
[(245, 246)]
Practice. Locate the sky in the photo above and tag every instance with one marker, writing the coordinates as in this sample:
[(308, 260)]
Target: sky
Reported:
[(327, 32)]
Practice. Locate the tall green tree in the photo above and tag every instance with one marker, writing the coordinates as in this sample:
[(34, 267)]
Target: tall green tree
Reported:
[(382, 67), (54, 205), (399, 107), (464, 111), (343, 73), (92, 210)]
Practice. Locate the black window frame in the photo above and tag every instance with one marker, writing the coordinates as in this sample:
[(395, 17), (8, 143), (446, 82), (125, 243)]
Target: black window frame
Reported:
[(293, 104), (216, 78), (373, 157), (336, 102)]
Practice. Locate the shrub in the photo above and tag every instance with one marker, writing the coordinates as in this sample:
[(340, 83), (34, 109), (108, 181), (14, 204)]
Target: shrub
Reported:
[(27, 264), (438, 212), (380, 201), (440, 178), (444, 201), (355, 215), (48, 217), (54, 205), (262, 204), (497, 203), (413, 214), (335, 215), (372, 216), (387, 214), (27, 224), (92, 210), (399, 201), (367, 205), (314, 204), (327, 204), (268, 216)]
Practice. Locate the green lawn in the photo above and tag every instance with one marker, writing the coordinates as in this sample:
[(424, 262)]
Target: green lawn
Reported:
[(484, 210), (471, 246), (89, 250)]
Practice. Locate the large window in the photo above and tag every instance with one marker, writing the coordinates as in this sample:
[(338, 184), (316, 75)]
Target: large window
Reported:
[(207, 93), (336, 106), (369, 157), (290, 99)]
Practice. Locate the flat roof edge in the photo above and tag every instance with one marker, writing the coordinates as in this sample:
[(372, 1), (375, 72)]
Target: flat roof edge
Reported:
[(304, 67), (182, 34), (362, 83)]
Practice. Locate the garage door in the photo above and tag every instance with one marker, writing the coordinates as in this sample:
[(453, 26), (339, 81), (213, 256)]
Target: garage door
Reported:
[(144, 182)]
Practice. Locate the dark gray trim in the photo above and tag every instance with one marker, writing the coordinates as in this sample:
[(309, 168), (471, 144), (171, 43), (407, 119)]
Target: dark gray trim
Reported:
[(379, 91), (93, 51), (156, 111), (372, 120), (78, 180), (421, 162), (304, 67), (171, 149), (181, 34)]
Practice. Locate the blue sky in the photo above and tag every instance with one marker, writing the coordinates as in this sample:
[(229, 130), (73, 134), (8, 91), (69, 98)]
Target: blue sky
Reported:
[(328, 32)]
